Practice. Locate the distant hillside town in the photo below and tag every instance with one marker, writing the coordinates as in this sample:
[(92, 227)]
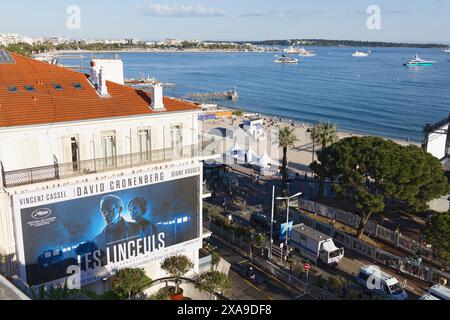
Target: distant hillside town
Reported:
[(28, 46)]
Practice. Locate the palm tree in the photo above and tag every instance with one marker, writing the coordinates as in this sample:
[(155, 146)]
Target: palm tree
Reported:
[(286, 139), (325, 133)]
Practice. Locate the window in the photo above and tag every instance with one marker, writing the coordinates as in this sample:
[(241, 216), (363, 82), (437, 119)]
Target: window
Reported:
[(13, 89), (75, 153), (57, 86), (144, 137), (109, 149), (177, 139), (77, 85), (29, 88)]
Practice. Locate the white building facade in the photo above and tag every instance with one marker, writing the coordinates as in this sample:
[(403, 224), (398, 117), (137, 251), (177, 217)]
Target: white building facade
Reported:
[(87, 197)]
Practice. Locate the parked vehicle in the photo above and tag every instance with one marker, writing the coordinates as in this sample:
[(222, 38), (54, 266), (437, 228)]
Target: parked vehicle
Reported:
[(249, 274), (262, 221), (437, 292), (373, 279), (315, 246)]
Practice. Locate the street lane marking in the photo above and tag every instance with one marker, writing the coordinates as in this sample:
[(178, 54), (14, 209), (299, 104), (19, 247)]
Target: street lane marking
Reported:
[(243, 261), (269, 297), (252, 285)]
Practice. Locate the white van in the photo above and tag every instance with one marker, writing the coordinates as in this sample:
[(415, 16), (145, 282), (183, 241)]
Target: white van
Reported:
[(372, 278), (437, 292)]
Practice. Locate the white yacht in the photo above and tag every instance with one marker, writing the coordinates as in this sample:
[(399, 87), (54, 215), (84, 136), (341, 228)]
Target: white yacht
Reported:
[(361, 54), (447, 50), (305, 53), (300, 51), (285, 59)]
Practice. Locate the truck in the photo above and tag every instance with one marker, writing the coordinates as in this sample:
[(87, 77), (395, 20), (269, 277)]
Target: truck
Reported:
[(315, 246)]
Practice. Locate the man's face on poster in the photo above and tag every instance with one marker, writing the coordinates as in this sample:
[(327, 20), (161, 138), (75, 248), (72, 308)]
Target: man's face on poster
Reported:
[(111, 209)]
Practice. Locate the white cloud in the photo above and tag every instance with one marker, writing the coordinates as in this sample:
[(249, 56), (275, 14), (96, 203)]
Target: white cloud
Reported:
[(179, 11), (261, 13)]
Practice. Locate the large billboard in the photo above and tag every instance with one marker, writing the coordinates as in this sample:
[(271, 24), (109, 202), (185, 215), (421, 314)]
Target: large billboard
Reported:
[(105, 225)]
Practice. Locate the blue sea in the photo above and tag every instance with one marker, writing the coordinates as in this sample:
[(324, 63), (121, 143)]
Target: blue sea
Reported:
[(375, 95)]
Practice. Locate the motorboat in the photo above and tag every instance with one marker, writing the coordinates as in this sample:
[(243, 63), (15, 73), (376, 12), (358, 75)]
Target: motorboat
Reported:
[(285, 59), (447, 50), (300, 51), (306, 53), (419, 62), (360, 54)]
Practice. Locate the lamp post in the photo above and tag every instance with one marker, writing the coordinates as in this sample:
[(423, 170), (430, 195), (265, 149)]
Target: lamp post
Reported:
[(271, 222), (287, 216)]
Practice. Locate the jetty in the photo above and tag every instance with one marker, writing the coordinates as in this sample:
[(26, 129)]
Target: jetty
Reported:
[(147, 83), (227, 95)]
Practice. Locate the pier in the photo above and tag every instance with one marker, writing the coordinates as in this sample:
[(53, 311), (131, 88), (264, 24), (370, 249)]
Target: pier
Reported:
[(227, 95)]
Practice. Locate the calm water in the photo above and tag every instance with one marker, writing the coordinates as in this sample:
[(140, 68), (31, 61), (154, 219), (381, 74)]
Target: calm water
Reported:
[(375, 95)]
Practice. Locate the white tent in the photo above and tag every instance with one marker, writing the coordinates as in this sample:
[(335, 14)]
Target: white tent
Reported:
[(265, 162), (252, 157), (236, 152)]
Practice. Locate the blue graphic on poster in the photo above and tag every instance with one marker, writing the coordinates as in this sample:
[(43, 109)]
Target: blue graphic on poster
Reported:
[(109, 228)]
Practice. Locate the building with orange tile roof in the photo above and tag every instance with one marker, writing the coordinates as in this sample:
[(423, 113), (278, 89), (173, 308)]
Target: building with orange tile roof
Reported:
[(71, 144)]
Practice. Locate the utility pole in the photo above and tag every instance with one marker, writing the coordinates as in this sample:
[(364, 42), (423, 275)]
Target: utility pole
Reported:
[(287, 217), (271, 222)]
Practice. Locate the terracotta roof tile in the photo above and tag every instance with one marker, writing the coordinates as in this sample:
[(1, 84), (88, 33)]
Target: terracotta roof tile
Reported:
[(48, 105)]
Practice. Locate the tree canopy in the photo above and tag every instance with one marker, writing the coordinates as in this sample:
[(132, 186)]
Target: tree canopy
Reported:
[(437, 234), (214, 282), (370, 171), (325, 133), (177, 266), (127, 282), (286, 139)]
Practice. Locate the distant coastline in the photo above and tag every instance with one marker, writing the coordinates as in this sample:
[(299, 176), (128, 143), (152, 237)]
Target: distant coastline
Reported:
[(347, 43)]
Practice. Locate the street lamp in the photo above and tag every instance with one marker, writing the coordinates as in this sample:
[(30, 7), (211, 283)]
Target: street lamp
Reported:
[(287, 215)]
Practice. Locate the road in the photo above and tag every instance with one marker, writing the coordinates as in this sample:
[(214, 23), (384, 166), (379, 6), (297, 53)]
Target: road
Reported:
[(265, 287)]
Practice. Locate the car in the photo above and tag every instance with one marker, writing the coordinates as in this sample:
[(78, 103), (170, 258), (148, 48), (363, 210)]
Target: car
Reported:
[(374, 280), (249, 274)]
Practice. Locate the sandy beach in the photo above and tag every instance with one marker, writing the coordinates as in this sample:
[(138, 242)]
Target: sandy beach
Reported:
[(299, 157)]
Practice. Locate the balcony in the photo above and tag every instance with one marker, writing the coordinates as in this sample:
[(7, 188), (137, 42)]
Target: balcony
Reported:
[(73, 169)]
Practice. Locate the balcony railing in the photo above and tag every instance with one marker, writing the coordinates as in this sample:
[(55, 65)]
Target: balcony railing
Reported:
[(73, 169)]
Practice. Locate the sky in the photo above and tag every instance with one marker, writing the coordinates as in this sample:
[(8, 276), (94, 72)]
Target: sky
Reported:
[(228, 20)]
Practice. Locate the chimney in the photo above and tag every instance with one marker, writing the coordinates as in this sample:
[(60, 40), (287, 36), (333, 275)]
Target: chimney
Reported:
[(101, 85), (157, 97)]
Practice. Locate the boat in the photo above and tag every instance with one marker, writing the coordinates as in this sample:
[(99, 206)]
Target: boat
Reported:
[(300, 51), (306, 53), (360, 54), (419, 62), (284, 59), (447, 50)]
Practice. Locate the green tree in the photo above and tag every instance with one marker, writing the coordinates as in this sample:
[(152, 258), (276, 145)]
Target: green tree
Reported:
[(286, 140), (325, 133), (214, 282), (127, 282), (437, 233), (370, 171), (60, 292), (215, 259), (177, 267)]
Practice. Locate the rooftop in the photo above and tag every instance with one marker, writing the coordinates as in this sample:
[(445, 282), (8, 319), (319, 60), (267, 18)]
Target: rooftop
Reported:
[(34, 92)]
